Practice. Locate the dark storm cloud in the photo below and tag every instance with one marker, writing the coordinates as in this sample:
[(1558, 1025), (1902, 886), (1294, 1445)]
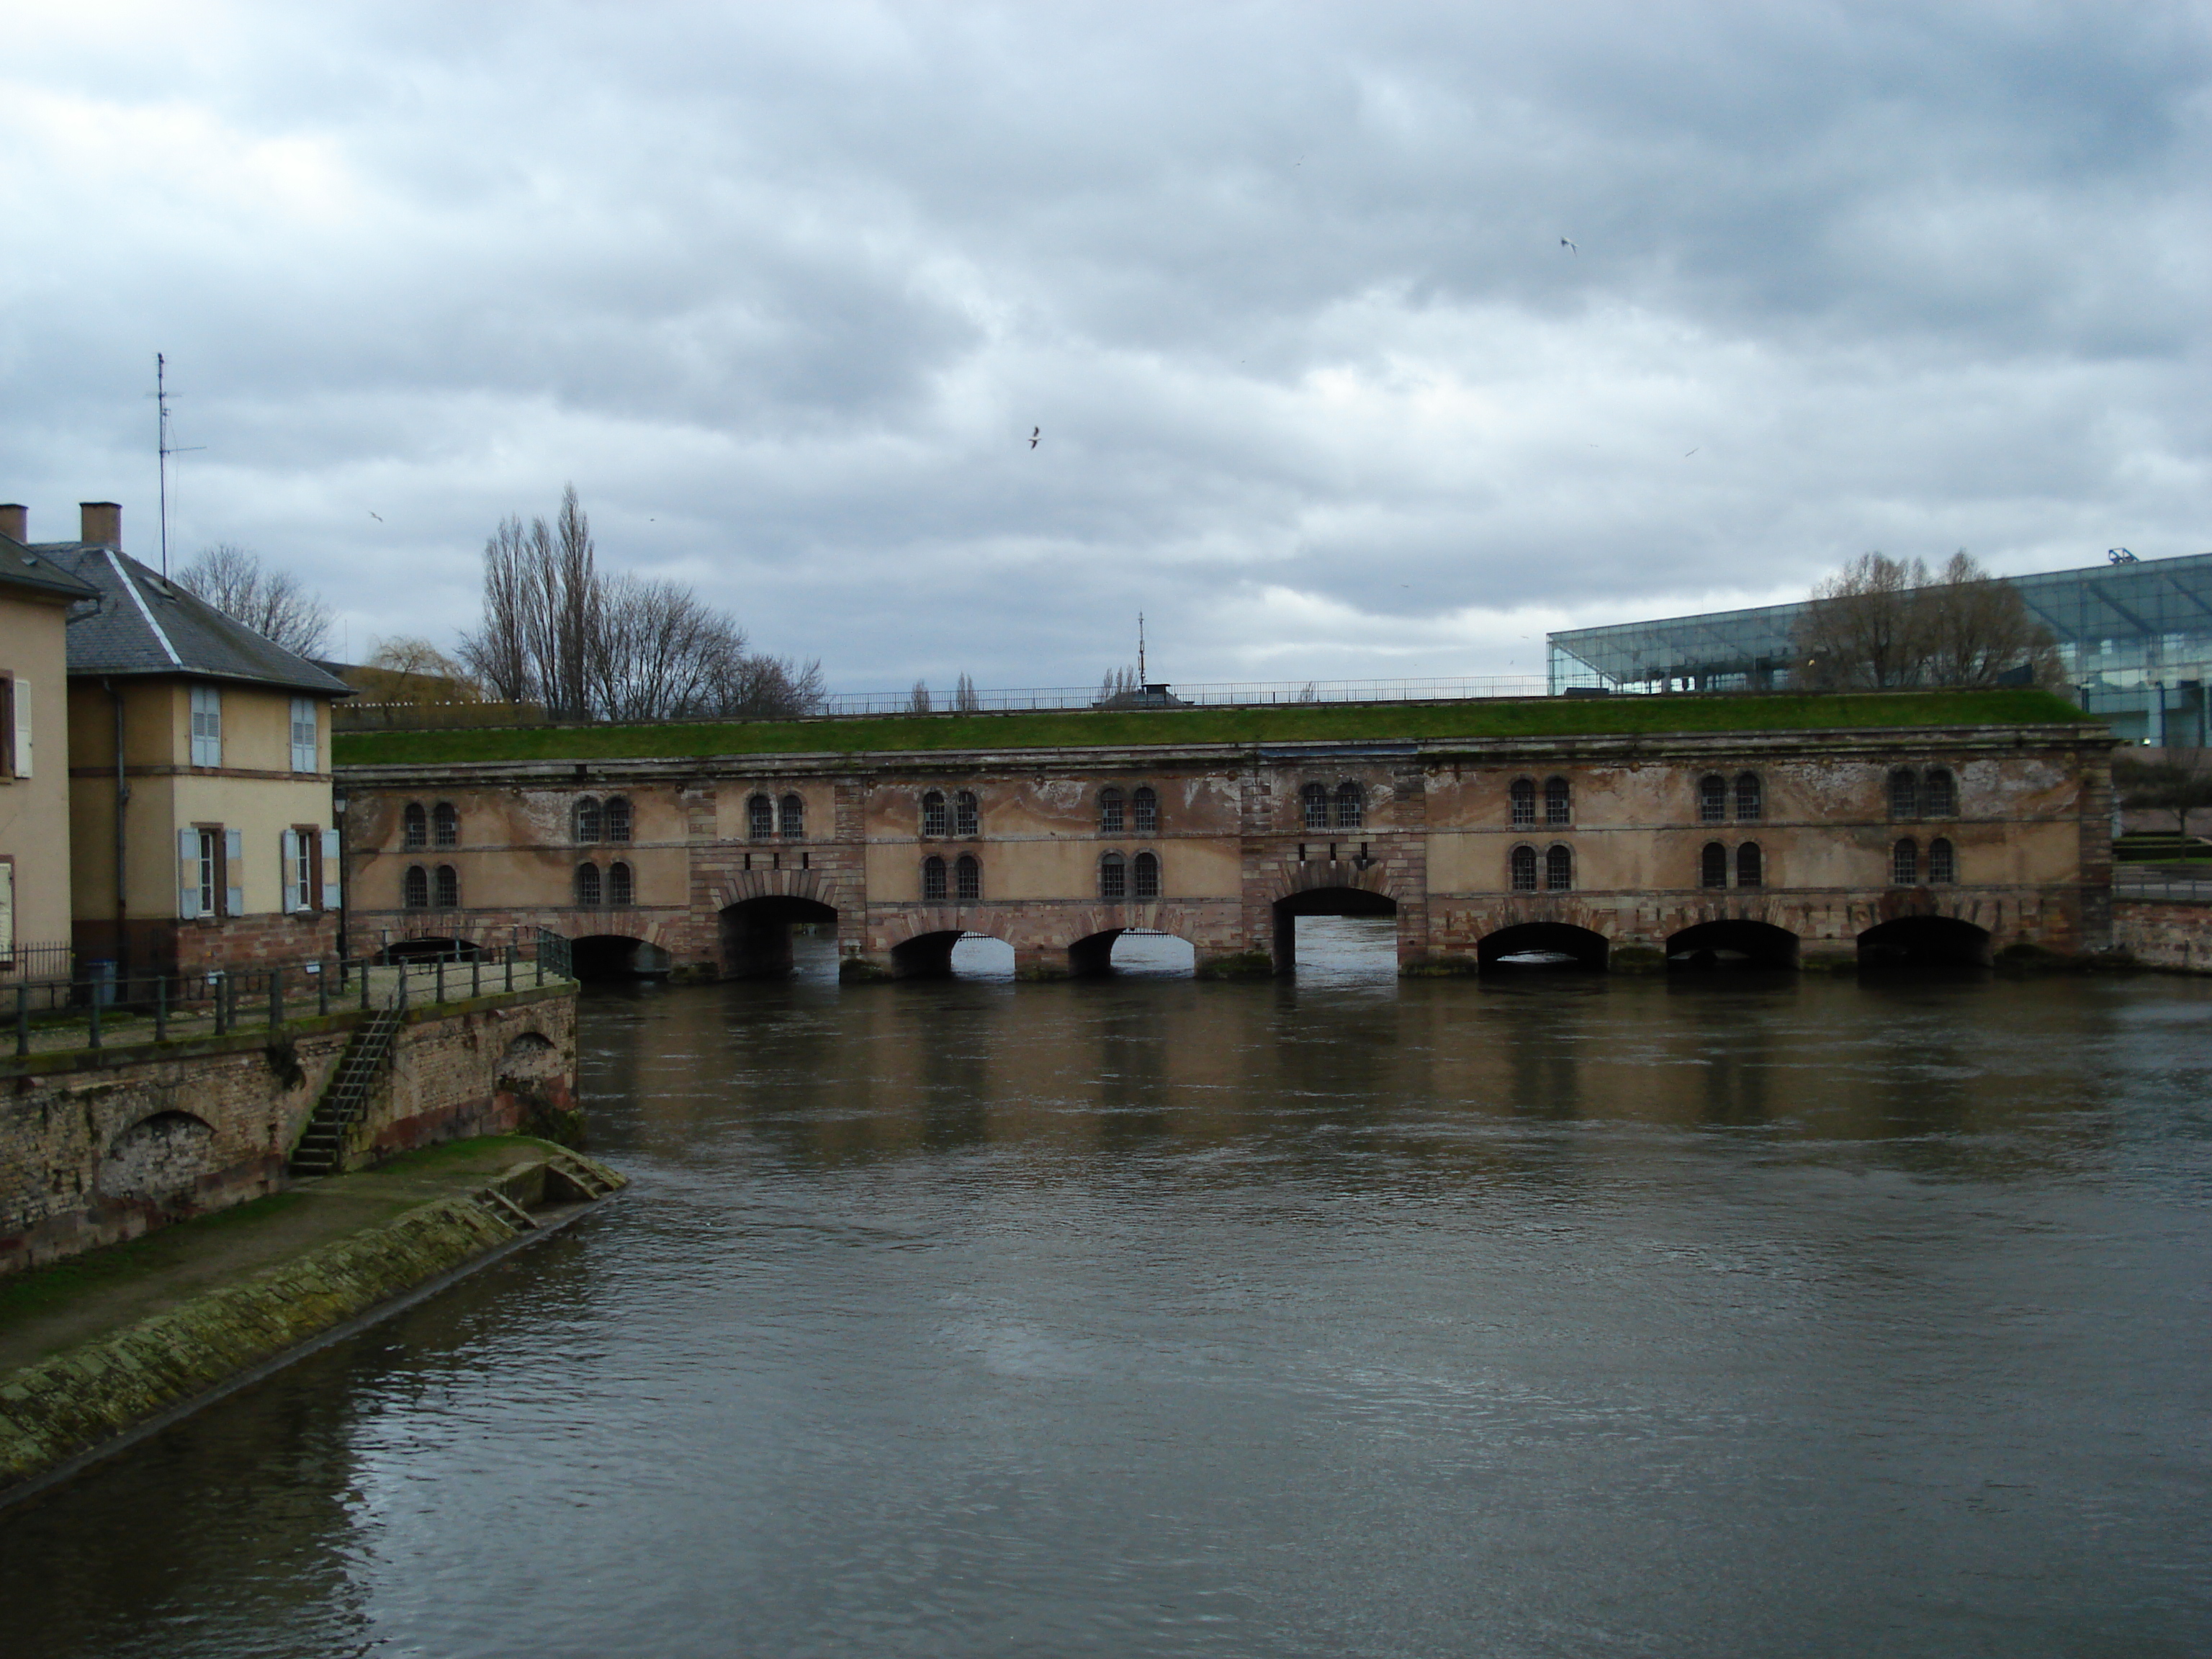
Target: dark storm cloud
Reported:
[(783, 290)]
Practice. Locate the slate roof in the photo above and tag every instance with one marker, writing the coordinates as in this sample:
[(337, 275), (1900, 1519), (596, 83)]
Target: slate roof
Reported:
[(20, 568), (141, 624)]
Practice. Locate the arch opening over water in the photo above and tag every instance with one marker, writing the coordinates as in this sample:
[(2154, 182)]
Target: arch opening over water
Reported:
[(1543, 946), (1322, 902), (1137, 950), (603, 957), (1925, 942), (430, 948), (953, 953), (1733, 942), (756, 933)]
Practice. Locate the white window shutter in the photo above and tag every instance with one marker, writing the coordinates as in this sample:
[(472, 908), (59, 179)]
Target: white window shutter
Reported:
[(233, 858), (7, 909), (331, 871), (188, 873), (288, 856), (22, 689)]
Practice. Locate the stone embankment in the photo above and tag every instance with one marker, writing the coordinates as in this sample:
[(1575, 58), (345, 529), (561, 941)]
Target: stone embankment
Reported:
[(2173, 934), (98, 1351)]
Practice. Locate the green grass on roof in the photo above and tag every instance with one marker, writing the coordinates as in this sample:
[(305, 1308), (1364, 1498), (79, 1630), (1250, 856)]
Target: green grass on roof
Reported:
[(1280, 723)]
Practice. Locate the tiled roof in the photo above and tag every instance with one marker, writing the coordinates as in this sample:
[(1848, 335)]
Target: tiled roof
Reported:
[(142, 624), (20, 568)]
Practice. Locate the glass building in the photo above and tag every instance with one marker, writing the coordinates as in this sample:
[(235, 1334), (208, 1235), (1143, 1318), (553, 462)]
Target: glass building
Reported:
[(2136, 639)]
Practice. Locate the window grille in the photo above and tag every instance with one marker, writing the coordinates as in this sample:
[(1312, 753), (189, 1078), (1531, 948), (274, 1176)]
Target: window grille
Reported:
[(1523, 793), (968, 878), (305, 730), (1560, 869), (414, 893), (1113, 877), (933, 819), (620, 890), (445, 824), (1559, 804), (1145, 810), (1144, 875), (1939, 793), (1904, 795), (587, 885), (1712, 866), (207, 726), (1750, 797), (1351, 808), (1712, 799), (967, 816), (617, 820), (1313, 800), (1942, 863), (1905, 865), (791, 818), (1523, 864), (414, 826), (760, 819), (933, 879), (1750, 866), (1109, 811), (589, 822), (447, 884)]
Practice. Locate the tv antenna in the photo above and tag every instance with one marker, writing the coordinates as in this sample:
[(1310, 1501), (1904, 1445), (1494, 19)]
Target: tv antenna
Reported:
[(1140, 648), (164, 449)]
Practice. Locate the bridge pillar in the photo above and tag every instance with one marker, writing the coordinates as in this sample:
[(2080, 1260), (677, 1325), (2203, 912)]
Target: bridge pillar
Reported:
[(1042, 962)]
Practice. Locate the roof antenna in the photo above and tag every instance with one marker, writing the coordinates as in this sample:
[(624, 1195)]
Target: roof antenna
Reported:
[(166, 449), (1140, 647)]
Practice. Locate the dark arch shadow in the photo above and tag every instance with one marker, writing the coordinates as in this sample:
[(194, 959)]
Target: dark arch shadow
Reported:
[(1322, 902), (429, 950), (1924, 942), (601, 957), (926, 956), (756, 933), (1732, 943), (1093, 957), (1532, 947)]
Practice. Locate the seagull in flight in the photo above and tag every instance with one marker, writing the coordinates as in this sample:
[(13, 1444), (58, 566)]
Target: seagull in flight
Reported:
[(376, 515), (1688, 452), (1569, 246), (1033, 435)]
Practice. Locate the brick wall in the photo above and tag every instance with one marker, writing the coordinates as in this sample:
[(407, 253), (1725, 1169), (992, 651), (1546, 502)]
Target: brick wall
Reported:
[(2164, 935)]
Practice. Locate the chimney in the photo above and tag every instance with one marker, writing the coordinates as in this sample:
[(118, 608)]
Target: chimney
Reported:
[(101, 521), (14, 523)]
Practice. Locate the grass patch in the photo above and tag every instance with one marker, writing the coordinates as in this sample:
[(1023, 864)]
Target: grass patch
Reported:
[(26, 1296), (1540, 717)]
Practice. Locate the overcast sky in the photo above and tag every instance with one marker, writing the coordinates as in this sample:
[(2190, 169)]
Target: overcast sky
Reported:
[(783, 290)]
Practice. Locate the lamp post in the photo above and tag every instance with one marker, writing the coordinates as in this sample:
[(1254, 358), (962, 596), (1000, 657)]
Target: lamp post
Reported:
[(345, 880)]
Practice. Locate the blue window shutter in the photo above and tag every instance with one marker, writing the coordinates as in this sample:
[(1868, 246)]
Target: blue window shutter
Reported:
[(188, 873), (233, 858), (288, 859), (332, 873)]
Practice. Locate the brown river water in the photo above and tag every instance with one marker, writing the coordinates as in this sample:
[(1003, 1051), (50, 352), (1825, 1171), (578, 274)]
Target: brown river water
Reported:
[(1722, 1315)]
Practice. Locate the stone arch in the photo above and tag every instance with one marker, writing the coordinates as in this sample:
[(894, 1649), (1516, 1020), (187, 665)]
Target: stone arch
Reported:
[(1732, 942), (611, 955), (925, 951), (160, 1159), (1340, 887), (429, 947), (1580, 947), (1926, 938), (1096, 926), (756, 931), (531, 1093)]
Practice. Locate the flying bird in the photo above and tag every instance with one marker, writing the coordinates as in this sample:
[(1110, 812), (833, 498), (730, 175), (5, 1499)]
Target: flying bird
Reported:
[(1033, 435), (1688, 452), (1570, 248), (376, 515)]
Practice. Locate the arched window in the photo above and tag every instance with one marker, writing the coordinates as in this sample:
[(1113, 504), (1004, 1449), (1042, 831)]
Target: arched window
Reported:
[(1523, 793), (1559, 804), (1312, 799), (968, 878), (933, 819), (1559, 868), (1523, 866), (1145, 875), (1113, 877), (1939, 795), (933, 879), (446, 887), (588, 821), (445, 824), (791, 818), (414, 827), (415, 891), (967, 816), (1750, 797), (587, 885), (1351, 808), (617, 820), (1942, 863), (1109, 811), (621, 889), (1145, 812), (1712, 799), (1904, 794), (1712, 866), (760, 817), (1905, 865), (1750, 866)]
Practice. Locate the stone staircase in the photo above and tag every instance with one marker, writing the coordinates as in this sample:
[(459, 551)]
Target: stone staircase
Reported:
[(321, 1148)]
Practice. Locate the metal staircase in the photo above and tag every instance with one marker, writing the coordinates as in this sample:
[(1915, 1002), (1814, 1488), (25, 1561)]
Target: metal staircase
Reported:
[(321, 1148)]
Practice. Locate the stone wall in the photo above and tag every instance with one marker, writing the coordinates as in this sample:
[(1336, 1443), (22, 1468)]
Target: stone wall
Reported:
[(2158, 934), (98, 1147)]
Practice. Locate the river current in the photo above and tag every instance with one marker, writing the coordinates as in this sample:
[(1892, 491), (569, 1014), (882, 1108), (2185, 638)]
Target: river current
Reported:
[(1546, 1316)]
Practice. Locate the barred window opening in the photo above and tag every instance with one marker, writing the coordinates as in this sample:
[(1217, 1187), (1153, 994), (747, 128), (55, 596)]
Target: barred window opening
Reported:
[(967, 816), (1109, 812), (620, 890), (1904, 794), (1560, 869), (1750, 797), (413, 831), (416, 888), (1905, 865), (617, 812), (1145, 813), (1113, 877), (1940, 793), (445, 824), (1351, 806), (968, 878), (1558, 802), (791, 818), (1712, 799), (588, 821), (934, 821), (760, 817), (933, 879), (1523, 794), (1942, 863), (1750, 866), (1144, 875), (1312, 799), (1523, 866), (1712, 866), (446, 884), (587, 885)]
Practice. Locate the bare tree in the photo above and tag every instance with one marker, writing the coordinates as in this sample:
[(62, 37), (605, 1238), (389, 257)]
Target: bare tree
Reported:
[(1119, 690), (272, 603), (917, 701), (963, 695), (1977, 631), (2162, 785), (415, 671), (1881, 623)]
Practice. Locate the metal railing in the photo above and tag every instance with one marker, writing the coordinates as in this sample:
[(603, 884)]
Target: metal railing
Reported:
[(39, 962), (2169, 890)]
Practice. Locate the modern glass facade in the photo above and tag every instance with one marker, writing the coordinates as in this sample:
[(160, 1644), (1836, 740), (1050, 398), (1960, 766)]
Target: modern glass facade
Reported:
[(2136, 639)]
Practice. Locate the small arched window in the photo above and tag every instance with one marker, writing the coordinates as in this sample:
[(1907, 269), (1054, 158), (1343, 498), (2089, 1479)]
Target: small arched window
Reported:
[(1939, 795), (1523, 864), (1559, 868), (1523, 793), (621, 889), (1113, 877), (1905, 865), (760, 817), (587, 885), (934, 821), (1109, 812), (1145, 875), (967, 815), (791, 818), (933, 879), (1750, 866), (617, 820), (414, 827), (446, 887), (1942, 863), (968, 878), (1312, 801), (445, 824), (1712, 866), (1904, 794), (414, 889), (1350, 807), (1750, 797), (589, 822), (1145, 812), (1712, 799), (1558, 802)]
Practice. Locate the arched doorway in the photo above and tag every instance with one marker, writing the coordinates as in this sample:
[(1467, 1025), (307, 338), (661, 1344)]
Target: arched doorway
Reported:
[(1732, 943), (1924, 942), (1541, 947), (1351, 901), (756, 933), (603, 957)]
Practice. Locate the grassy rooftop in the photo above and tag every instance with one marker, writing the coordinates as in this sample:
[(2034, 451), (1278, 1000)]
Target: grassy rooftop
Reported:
[(1539, 717)]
